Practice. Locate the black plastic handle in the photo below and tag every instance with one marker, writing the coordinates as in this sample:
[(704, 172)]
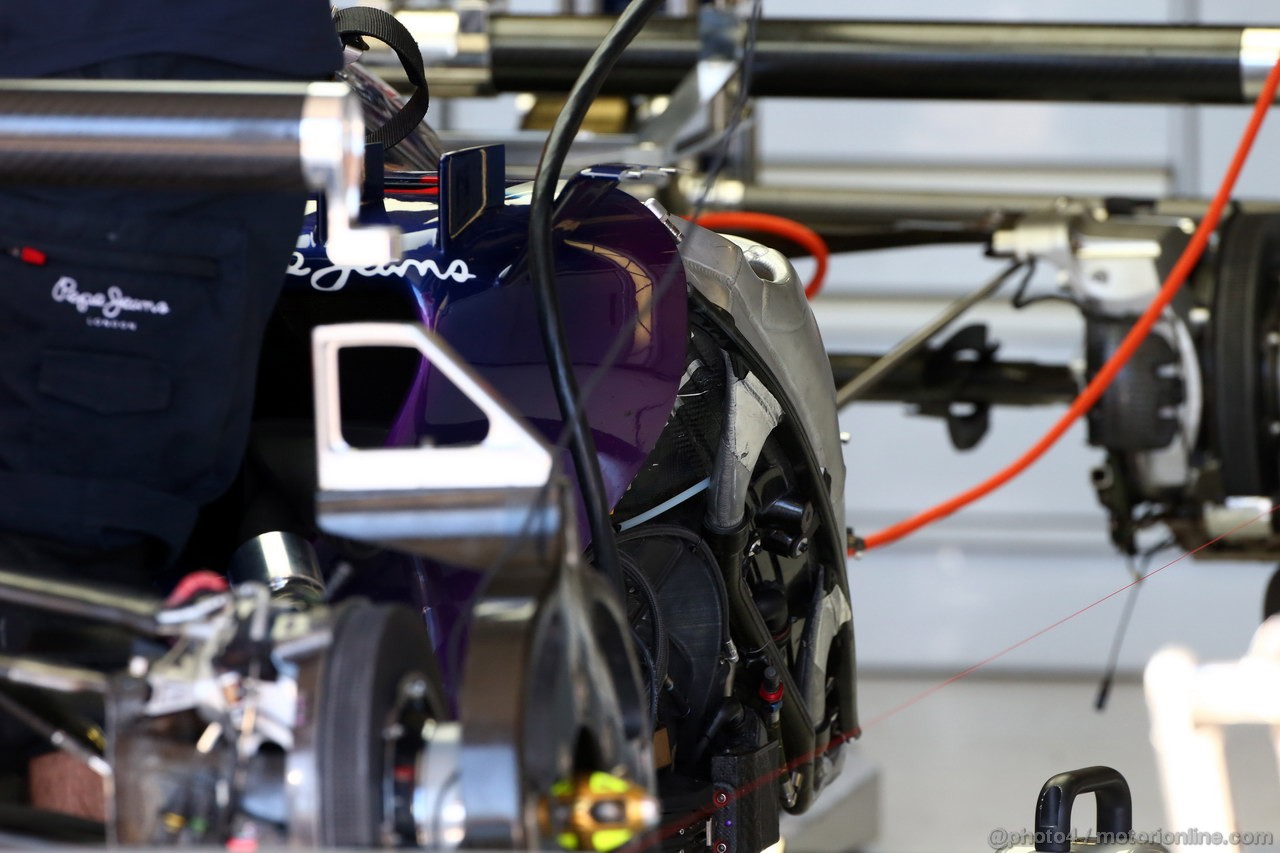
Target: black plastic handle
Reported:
[(1053, 809)]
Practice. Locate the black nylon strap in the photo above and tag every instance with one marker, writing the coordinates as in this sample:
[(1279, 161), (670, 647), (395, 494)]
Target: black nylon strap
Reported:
[(356, 21)]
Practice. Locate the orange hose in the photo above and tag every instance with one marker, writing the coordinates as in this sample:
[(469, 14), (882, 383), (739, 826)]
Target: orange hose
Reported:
[(766, 223), (1095, 389)]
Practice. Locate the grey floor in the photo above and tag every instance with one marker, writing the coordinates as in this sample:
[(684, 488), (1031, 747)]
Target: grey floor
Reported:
[(970, 758)]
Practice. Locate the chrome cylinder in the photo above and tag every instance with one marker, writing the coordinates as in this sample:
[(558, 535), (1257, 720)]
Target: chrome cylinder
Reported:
[(285, 562)]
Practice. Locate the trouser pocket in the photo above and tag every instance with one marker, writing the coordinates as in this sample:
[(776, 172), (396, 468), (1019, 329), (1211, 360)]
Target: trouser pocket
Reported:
[(127, 347)]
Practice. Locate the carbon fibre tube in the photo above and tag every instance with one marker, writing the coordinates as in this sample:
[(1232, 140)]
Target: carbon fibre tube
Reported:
[(873, 59), (211, 136), (196, 135)]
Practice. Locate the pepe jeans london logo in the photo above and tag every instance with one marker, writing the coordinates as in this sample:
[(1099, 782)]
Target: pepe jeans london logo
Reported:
[(106, 310), (334, 278)]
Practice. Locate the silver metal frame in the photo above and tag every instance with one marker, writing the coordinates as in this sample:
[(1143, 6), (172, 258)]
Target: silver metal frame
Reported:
[(510, 456)]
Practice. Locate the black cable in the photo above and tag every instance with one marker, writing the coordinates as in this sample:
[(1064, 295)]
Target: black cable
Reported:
[(1020, 299), (1139, 574), (624, 336), (1113, 658), (651, 669), (1019, 295), (542, 272), (620, 342), (660, 662)]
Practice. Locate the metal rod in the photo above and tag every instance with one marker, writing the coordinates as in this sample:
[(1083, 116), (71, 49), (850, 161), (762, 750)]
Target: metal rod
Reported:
[(856, 220), (50, 676), (900, 60), (980, 212), (126, 610), (997, 383), (57, 738), (840, 208), (911, 344)]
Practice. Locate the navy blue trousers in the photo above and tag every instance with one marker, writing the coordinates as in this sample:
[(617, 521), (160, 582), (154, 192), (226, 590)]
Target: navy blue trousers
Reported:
[(130, 332)]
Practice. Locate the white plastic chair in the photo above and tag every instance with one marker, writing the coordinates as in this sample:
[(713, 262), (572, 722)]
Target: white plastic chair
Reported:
[(1190, 703)]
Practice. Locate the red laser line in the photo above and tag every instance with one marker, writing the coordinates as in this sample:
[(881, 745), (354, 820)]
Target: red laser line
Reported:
[(1038, 634), (672, 828)]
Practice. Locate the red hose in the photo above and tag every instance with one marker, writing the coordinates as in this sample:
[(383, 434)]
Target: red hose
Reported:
[(194, 584), (1095, 389), (788, 229)]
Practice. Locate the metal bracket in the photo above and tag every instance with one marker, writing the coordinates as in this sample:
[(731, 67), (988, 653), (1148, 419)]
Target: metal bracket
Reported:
[(509, 457), (1112, 267), (332, 145), (966, 351), (722, 35), (694, 94), (472, 504)]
